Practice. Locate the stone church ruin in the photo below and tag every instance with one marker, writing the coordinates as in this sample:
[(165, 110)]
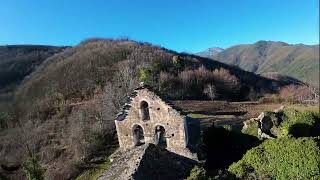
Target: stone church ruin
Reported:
[(147, 118)]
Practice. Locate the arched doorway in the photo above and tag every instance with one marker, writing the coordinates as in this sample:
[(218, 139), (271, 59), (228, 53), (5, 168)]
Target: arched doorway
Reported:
[(160, 136), (144, 111), (138, 136)]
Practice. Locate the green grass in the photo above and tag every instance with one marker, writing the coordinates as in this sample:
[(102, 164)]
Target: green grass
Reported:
[(93, 174), (199, 116), (302, 107), (282, 158), (300, 124)]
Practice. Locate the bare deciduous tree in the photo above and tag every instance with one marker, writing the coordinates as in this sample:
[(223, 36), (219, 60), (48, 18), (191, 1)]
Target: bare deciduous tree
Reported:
[(210, 91)]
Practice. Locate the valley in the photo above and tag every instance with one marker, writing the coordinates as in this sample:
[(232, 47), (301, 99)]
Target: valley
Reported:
[(59, 113)]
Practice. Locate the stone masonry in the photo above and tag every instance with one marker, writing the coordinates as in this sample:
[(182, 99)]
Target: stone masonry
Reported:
[(146, 112)]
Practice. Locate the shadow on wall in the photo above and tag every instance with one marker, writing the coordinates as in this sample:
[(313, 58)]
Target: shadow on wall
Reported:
[(193, 134), (158, 163)]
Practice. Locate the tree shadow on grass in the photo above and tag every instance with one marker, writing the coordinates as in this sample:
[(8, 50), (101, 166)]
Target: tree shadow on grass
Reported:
[(223, 147), (305, 130)]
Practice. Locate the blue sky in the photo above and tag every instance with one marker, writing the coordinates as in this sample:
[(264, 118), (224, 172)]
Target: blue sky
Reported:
[(181, 25)]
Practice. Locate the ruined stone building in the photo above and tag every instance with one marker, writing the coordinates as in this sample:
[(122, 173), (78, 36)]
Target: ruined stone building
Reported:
[(146, 118), (156, 140)]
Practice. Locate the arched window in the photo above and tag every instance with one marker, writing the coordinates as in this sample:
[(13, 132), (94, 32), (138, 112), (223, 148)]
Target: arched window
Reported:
[(160, 136), (138, 136), (144, 111)]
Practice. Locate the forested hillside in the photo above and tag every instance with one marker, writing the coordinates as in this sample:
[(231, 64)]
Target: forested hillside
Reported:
[(18, 61)]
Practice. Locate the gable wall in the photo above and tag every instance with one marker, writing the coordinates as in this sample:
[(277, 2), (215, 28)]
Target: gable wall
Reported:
[(160, 114)]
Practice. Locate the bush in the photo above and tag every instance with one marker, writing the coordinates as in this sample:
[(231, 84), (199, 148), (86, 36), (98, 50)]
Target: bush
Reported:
[(4, 119), (302, 124), (228, 127), (198, 173), (34, 169), (144, 75), (177, 62), (283, 158)]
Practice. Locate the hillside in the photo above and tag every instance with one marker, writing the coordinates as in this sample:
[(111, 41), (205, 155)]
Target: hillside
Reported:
[(63, 114), (18, 61), (298, 61)]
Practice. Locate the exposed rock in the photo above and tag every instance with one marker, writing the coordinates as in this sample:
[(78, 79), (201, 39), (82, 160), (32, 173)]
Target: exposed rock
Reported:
[(250, 127), (264, 135), (263, 126)]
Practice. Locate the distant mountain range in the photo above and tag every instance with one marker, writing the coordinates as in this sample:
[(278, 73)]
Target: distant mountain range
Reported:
[(264, 57), (210, 52)]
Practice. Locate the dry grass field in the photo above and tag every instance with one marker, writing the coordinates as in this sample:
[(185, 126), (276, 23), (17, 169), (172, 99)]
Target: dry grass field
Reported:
[(232, 113)]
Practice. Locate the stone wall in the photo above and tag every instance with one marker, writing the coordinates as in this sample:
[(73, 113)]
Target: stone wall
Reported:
[(162, 114), (147, 162)]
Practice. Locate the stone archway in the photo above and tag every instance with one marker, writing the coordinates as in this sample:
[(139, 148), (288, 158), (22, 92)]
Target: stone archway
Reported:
[(160, 136), (138, 135)]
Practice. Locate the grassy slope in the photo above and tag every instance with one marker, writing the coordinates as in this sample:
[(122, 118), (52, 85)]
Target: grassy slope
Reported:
[(298, 61)]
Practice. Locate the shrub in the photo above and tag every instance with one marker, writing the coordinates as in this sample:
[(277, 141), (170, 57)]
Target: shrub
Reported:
[(227, 127), (177, 62), (34, 169), (282, 158), (198, 173), (144, 75), (4, 118), (302, 124)]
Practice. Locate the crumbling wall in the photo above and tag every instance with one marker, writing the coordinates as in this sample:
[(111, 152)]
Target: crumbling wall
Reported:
[(160, 114), (147, 162)]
